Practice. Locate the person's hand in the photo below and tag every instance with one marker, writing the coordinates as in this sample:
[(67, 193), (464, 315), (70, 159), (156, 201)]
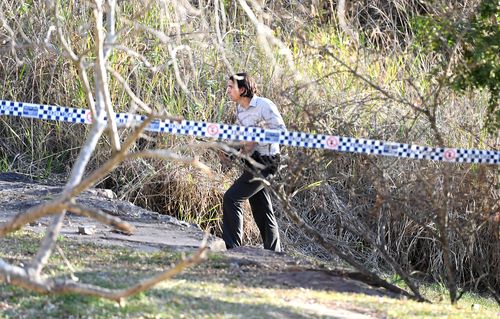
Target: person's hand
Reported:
[(224, 158), (248, 147)]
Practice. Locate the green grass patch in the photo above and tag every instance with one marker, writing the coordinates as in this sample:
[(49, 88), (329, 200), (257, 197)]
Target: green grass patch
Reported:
[(212, 289)]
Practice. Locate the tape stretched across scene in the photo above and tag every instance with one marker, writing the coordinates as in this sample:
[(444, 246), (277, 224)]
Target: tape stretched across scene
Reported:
[(260, 135)]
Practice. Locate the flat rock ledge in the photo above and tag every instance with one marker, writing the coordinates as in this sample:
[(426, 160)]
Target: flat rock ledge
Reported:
[(153, 231)]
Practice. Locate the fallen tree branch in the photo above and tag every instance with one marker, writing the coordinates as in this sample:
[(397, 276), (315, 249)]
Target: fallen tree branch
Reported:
[(102, 217), (55, 208)]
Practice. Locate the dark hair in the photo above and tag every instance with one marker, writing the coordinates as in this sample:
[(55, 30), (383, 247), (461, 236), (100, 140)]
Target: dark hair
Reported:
[(243, 80)]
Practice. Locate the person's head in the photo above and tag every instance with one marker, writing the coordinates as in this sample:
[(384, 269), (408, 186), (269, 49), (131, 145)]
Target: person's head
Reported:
[(241, 85)]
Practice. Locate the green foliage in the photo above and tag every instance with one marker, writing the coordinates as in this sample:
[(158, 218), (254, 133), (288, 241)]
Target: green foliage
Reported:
[(4, 164), (476, 39)]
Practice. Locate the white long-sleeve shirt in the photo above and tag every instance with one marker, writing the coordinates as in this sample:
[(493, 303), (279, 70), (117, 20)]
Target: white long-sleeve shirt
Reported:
[(263, 113)]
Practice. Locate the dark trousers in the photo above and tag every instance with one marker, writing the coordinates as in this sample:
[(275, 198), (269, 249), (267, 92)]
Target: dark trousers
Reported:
[(260, 202)]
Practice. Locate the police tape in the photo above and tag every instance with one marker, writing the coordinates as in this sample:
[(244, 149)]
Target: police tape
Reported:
[(260, 135)]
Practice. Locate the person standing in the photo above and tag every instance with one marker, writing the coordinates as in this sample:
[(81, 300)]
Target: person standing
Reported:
[(254, 111)]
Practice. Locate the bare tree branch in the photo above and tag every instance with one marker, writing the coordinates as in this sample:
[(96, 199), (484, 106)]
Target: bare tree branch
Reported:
[(109, 165), (101, 78), (78, 62), (266, 37), (43, 254), (102, 217), (333, 247), (137, 55), (230, 150), (111, 35), (343, 21), (23, 278), (170, 155), (34, 213), (129, 91), (30, 276)]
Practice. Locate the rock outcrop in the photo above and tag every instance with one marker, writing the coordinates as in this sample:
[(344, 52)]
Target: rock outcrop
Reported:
[(152, 230)]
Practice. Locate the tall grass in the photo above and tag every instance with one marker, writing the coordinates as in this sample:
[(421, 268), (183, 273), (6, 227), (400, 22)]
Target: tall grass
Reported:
[(395, 199)]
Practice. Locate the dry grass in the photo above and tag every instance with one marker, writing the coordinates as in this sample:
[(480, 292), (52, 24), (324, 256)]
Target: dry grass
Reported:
[(396, 200)]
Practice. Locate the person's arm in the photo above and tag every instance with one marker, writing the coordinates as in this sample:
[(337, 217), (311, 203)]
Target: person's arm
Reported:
[(273, 118)]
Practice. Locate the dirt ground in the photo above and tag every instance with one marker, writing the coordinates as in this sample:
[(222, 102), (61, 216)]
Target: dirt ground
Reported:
[(155, 231)]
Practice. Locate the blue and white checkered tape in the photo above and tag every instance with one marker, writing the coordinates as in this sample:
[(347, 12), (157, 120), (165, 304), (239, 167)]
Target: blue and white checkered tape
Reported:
[(255, 134)]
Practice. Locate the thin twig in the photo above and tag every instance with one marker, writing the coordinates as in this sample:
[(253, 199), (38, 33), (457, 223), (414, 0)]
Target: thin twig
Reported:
[(23, 278), (103, 96), (170, 155), (34, 213), (129, 91), (102, 217)]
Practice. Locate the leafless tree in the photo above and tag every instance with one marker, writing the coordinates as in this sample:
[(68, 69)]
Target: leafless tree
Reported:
[(31, 275), (311, 105)]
